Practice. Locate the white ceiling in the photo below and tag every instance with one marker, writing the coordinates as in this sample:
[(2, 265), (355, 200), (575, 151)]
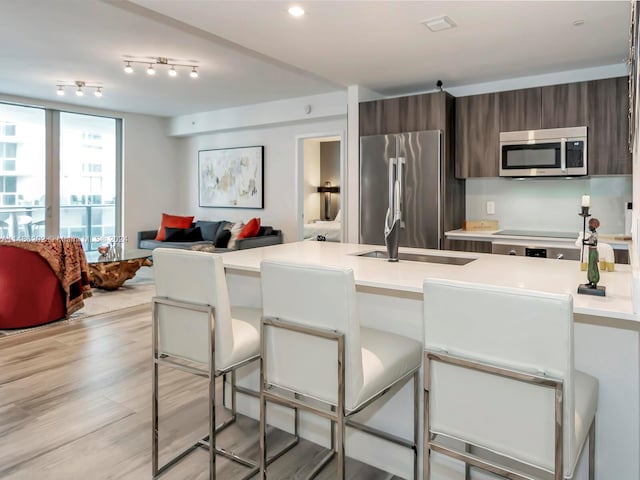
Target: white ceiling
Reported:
[(253, 51)]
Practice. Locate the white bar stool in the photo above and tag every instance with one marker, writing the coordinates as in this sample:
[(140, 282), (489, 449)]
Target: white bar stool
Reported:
[(316, 357), (195, 330), (501, 391)]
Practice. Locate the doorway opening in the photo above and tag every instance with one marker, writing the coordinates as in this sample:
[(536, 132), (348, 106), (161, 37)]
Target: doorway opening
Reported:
[(320, 192)]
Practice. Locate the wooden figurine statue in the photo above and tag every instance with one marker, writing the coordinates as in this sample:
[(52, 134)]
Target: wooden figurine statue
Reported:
[(593, 273)]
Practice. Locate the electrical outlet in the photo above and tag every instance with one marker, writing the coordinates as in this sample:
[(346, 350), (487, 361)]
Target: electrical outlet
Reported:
[(491, 208)]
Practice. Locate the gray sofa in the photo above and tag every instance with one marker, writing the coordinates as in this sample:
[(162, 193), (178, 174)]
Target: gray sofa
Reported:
[(210, 232)]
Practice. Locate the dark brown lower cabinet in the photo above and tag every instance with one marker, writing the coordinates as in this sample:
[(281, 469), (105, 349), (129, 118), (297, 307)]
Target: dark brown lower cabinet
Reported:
[(467, 246)]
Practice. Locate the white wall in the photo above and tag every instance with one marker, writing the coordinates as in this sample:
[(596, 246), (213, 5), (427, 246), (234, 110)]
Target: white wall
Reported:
[(280, 202), (311, 180), (310, 108), (351, 197), (550, 204), (152, 172)]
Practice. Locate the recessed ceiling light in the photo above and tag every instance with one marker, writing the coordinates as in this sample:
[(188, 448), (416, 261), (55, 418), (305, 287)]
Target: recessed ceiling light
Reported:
[(296, 11), (578, 22), (439, 23)]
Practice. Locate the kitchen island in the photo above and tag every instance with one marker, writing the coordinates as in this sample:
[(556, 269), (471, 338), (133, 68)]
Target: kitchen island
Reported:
[(606, 333)]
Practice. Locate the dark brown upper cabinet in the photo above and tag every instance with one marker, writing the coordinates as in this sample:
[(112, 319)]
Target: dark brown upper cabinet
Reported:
[(405, 114), (477, 135), (380, 116), (565, 105), (422, 112), (520, 110), (601, 105), (608, 124)]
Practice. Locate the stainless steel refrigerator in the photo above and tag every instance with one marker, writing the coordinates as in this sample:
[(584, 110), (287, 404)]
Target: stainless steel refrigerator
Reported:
[(420, 154)]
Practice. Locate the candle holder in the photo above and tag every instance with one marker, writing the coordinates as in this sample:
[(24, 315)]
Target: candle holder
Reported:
[(593, 274), (584, 214)]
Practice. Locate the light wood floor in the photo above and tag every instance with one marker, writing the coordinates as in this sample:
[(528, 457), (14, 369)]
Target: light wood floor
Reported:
[(75, 403)]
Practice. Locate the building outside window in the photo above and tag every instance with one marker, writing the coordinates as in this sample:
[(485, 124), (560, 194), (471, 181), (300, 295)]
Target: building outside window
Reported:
[(8, 190), (7, 129), (8, 153)]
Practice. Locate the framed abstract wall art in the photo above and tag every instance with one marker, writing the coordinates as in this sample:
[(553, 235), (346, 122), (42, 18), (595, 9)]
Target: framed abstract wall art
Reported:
[(231, 177)]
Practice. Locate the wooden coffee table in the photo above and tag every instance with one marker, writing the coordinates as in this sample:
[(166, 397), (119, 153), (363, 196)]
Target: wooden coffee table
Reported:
[(110, 273)]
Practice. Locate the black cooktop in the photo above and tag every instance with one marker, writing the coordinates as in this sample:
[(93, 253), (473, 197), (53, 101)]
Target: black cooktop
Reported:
[(533, 233)]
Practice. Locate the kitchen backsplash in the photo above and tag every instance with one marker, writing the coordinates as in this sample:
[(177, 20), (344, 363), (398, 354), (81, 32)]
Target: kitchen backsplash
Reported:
[(549, 204)]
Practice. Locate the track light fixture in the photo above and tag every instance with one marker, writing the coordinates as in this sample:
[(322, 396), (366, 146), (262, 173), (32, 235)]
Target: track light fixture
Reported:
[(80, 86), (172, 63)]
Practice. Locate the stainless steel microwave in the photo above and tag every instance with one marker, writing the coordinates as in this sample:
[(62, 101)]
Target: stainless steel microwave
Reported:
[(553, 152)]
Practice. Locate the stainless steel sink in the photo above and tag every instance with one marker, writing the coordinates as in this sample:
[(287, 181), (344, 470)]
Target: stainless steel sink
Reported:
[(418, 257)]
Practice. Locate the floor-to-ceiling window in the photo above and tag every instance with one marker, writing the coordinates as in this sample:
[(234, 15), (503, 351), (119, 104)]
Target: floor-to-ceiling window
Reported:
[(59, 174), (88, 177), (22, 171)]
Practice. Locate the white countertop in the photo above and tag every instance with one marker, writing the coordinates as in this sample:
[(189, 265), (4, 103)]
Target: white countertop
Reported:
[(490, 236), (547, 275)]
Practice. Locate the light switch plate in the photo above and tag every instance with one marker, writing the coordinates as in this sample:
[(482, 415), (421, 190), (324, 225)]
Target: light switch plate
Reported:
[(491, 208)]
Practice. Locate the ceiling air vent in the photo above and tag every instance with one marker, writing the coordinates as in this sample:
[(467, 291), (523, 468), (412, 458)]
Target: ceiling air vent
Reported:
[(439, 23)]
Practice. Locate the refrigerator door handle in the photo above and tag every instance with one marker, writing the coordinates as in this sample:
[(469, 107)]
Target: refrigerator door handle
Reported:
[(400, 179), (390, 210)]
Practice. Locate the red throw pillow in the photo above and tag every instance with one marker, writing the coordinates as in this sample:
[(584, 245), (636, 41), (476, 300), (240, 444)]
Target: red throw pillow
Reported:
[(251, 229), (172, 221)]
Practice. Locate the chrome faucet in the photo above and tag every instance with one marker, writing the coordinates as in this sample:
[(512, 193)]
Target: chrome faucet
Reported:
[(393, 220)]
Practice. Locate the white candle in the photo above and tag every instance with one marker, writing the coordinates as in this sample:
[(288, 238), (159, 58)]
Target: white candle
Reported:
[(586, 200)]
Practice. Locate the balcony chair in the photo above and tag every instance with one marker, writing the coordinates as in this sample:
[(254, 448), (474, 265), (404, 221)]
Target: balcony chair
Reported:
[(501, 392), (316, 356), (24, 225), (197, 331)]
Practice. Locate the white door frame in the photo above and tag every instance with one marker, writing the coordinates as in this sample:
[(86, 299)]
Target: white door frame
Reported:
[(299, 200)]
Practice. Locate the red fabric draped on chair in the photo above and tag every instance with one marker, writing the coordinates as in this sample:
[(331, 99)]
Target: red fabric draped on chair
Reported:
[(41, 281)]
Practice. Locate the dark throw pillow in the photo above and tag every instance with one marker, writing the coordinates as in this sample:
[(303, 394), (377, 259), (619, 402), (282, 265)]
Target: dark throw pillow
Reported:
[(209, 229), (183, 234), (264, 231), (222, 240)]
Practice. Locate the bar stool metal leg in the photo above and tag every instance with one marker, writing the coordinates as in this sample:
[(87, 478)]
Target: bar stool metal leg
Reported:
[(340, 414), (426, 451), (263, 428), (154, 400), (212, 424), (592, 450), (416, 422)]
